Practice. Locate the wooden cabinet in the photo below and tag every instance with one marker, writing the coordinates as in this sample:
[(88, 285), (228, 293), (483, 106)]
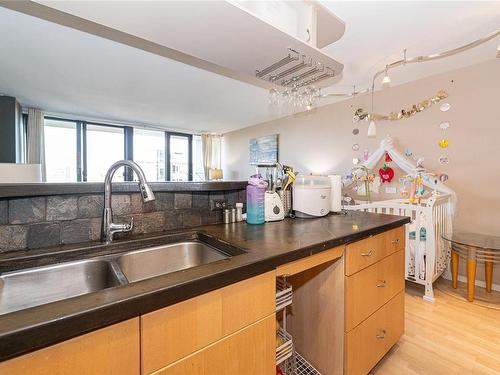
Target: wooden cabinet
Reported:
[(347, 311), (368, 290), (176, 331), (374, 299), (113, 350), (364, 253), (348, 303), (368, 342), (249, 351)]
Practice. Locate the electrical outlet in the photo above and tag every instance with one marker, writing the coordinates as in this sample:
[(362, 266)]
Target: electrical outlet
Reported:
[(218, 204)]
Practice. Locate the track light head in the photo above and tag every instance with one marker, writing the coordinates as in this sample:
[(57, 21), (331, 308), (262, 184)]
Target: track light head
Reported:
[(386, 82)]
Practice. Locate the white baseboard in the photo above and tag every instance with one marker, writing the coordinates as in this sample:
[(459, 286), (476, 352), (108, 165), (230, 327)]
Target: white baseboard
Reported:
[(480, 283)]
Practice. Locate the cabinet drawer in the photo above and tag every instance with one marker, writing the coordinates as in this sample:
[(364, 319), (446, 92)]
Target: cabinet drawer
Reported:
[(372, 287), (249, 351), (176, 331), (366, 252), (372, 339)]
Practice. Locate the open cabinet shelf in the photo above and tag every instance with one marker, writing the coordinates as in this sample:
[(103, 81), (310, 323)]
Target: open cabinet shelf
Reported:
[(284, 294), (285, 350), (289, 361), (298, 365)]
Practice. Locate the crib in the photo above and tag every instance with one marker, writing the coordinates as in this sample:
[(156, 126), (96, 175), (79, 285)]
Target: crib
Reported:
[(426, 254)]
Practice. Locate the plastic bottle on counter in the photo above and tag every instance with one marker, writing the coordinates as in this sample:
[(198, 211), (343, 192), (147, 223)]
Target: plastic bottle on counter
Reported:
[(256, 190)]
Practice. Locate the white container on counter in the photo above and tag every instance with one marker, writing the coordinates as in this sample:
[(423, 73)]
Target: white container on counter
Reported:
[(336, 192), (311, 196)]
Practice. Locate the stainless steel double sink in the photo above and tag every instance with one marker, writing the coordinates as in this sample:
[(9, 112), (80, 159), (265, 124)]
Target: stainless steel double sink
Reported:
[(41, 285)]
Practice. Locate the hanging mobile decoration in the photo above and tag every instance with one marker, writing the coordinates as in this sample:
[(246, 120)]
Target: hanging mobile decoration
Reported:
[(443, 177), (413, 186), (366, 154), (445, 107), (355, 131), (355, 147), (386, 173), (444, 143), (408, 153), (444, 160), (444, 125)]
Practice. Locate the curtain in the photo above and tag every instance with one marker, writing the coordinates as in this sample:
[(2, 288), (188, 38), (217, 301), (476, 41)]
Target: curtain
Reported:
[(35, 147), (211, 148)]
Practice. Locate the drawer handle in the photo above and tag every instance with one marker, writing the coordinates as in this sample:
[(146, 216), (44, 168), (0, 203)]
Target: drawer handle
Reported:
[(381, 284), (396, 241), (381, 335), (368, 254)]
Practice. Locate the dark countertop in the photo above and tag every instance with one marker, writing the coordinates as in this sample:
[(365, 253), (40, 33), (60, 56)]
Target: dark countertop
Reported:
[(265, 247), (48, 188)]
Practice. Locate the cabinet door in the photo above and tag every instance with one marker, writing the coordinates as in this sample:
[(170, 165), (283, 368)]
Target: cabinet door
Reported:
[(176, 331), (249, 351), (367, 343), (113, 350)]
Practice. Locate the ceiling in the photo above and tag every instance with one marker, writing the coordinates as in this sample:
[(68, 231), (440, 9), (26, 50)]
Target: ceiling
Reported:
[(67, 71), (377, 32)]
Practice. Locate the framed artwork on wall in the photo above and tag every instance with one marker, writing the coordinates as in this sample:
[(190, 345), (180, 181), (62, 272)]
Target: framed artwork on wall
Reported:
[(264, 150)]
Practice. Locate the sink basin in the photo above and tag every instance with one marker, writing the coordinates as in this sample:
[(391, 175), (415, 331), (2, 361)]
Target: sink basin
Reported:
[(22, 289), (159, 260), (37, 286)]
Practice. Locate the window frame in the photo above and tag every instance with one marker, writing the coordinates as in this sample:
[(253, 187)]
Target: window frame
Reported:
[(189, 137), (128, 139)]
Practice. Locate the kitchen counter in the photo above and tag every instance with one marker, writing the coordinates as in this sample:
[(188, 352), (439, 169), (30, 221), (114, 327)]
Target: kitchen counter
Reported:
[(265, 247)]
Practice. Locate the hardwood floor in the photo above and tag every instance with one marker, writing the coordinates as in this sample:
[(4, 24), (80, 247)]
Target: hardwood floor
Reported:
[(446, 337)]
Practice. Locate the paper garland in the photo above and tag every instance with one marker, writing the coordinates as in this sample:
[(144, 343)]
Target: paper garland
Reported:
[(404, 113)]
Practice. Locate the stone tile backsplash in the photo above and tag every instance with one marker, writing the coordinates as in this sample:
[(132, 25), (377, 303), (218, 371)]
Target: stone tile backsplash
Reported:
[(31, 223)]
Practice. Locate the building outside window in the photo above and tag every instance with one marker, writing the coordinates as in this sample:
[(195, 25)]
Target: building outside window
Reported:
[(60, 150), (198, 171), (149, 153), (81, 151), (179, 149), (105, 145)]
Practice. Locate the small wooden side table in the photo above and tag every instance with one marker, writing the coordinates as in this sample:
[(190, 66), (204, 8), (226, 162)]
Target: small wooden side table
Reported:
[(474, 248)]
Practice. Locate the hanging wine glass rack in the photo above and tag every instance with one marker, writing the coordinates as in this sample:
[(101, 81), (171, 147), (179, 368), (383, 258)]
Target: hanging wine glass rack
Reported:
[(295, 70)]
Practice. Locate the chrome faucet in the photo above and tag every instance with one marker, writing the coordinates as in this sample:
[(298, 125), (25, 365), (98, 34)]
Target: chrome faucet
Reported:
[(108, 227)]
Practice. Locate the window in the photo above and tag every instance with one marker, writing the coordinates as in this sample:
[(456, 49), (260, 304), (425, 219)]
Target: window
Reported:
[(149, 153), (105, 145), (60, 150), (198, 170), (81, 151), (179, 147)]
